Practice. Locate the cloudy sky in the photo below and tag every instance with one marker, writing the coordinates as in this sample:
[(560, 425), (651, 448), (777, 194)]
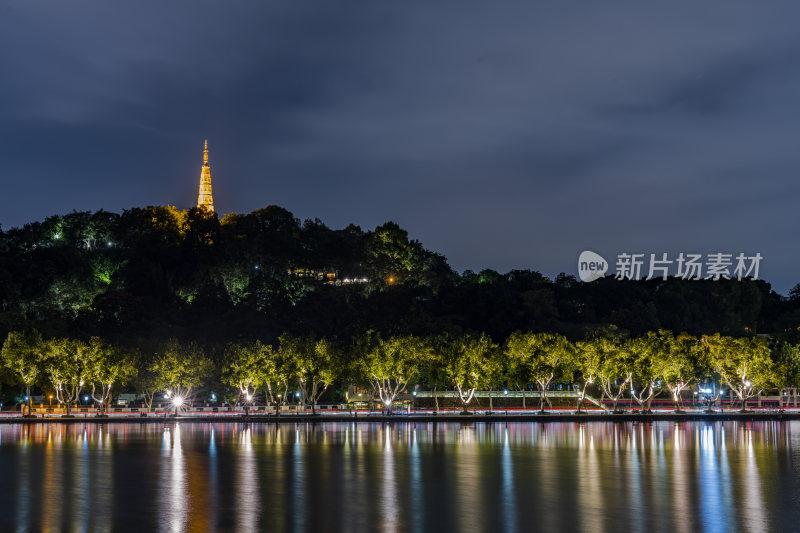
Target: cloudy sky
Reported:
[(501, 134)]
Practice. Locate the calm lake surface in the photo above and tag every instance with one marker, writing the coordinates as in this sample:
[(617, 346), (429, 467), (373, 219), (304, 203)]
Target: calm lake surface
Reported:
[(662, 476)]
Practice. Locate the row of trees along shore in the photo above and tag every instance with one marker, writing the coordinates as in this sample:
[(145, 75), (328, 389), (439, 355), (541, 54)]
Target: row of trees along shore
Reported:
[(656, 364)]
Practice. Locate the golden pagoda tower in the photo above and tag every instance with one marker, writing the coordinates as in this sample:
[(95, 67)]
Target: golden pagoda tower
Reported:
[(205, 198)]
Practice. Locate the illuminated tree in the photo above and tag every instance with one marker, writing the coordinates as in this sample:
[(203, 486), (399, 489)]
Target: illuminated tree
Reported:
[(23, 354), (678, 363), (470, 365), (646, 352), (433, 366), (68, 365), (788, 359), (107, 365), (147, 382), (311, 362), (179, 369), (544, 357), (614, 368), (743, 364), (390, 364), (250, 367), (587, 361)]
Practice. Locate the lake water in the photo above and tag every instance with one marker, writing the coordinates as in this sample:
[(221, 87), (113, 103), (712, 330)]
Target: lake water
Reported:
[(663, 476)]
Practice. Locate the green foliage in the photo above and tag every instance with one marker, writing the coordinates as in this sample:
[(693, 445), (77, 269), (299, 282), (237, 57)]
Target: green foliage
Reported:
[(69, 366), (471, 363), (744, 364), (181, 367), (311, 362), (107, 365), (390, 365), (23, 353), (540, 357), (788, 357), (253, 366)]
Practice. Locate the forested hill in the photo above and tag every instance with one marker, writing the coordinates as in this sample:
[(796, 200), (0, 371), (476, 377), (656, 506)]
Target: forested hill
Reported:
[(159, 272)]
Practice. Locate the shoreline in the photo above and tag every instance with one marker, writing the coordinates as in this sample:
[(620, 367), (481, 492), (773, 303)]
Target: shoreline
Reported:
[(425, 418)]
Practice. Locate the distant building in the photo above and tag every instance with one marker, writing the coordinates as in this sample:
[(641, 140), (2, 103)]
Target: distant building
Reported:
[(327, 275), (205, 198)]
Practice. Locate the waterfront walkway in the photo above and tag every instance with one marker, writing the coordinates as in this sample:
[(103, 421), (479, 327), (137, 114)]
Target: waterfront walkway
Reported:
[(596, 415)]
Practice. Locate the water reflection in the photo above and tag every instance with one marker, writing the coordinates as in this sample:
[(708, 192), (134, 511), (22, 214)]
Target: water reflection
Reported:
[(407, 477), (173, 499)]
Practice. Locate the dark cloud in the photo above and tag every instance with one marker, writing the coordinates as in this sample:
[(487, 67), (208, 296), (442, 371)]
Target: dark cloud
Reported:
[(504, 136)]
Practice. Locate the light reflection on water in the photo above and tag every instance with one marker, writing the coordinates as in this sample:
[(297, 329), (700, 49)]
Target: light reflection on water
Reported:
[(405, 476)]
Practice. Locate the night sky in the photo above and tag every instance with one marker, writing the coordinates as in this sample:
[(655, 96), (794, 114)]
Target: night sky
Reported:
[(500, 134)]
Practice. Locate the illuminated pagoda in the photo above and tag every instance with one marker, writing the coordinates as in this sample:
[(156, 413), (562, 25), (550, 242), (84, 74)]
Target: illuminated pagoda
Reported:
[(205, 198)]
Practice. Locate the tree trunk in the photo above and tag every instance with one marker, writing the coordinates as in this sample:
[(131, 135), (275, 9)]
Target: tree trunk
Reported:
[(313, 398), (523, 398), (436, 399), (490, 399)]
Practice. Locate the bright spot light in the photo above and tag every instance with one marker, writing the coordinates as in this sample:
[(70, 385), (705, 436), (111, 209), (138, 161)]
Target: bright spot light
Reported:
[(249, 397), (505, 391), (297, 394), (747, 383), (177, 401), (387, 403), (414, 393)]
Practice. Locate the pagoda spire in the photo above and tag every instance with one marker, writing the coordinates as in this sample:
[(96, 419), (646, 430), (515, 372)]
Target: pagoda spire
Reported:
[(205, 198)]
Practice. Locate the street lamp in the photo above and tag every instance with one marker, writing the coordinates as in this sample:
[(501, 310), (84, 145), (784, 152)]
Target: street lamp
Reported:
[(50, 397), (177, 402)]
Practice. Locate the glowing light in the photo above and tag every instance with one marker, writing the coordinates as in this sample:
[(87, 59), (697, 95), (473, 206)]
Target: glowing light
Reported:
[(705, 391), (249, 397), (205, 197), (747, 383), (177, 401)]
